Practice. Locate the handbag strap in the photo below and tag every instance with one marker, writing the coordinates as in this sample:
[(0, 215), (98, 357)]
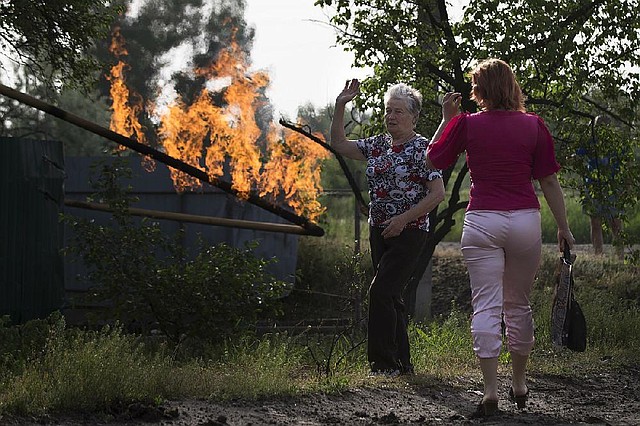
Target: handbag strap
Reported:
[(567, 252)]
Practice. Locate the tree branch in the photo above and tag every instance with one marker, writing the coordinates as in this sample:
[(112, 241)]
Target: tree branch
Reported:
[(607, 111), (454, 204), (549, 102), (577, 16), (357, 192)]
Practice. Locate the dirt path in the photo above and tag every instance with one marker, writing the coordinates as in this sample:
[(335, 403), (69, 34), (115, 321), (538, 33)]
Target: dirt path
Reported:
[(606, 399), (602, 399)]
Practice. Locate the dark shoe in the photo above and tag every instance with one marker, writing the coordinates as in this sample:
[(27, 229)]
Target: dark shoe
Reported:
[(519, 400), (486, 408), (384, 373), (407, 371)]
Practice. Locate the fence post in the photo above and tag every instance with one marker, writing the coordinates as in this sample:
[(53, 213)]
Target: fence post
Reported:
[(356, 251), (423, 294)]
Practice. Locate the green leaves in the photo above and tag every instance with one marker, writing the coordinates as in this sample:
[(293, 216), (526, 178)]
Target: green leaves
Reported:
[(146, 280), (55, 37), (575, 59)]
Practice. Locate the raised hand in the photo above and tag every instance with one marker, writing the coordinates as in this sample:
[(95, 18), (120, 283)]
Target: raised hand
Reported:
[(351, 89), (451, 105)]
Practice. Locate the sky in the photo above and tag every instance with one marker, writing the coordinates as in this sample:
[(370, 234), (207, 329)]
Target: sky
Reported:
[(296, 46)]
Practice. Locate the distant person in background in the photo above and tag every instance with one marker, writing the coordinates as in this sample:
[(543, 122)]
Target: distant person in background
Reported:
[(402, 192), (601, 176), (506, 149), (599, 215)]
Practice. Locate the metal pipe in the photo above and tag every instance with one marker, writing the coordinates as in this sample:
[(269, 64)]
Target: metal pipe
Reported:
[(252, 198), (191, 218)]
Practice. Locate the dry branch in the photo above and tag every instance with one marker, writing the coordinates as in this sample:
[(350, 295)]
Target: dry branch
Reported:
[(357, 192)]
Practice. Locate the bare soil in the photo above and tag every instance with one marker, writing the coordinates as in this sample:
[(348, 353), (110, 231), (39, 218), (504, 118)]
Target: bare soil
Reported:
[(609, 397), (602, 399)]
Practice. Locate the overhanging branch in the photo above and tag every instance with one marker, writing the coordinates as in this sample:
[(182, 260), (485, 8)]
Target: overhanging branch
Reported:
[(362, 204), (533, 101), (606, 111)]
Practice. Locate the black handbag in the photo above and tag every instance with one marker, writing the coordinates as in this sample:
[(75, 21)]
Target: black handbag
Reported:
[(568, 324)]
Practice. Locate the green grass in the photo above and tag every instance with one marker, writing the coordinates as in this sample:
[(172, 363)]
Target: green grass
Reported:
[(84, 371), (249, 368), (442, 349), (48, 367), (607, 291)]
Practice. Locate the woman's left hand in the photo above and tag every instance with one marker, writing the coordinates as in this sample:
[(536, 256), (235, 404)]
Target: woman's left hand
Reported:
[(451, 105), (565, 237), (394, 227)]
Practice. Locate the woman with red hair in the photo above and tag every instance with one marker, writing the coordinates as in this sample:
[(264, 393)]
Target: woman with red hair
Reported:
[(506, 150)]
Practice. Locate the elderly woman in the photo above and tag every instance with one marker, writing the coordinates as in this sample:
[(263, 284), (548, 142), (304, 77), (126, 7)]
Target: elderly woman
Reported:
[(402, 192), (506, 149)]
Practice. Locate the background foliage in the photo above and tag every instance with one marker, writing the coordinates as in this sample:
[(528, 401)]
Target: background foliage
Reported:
[(55, 39), (574, 60), (148, 281)]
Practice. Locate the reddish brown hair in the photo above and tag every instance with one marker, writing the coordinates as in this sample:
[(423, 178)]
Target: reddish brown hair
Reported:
[(494, 86)]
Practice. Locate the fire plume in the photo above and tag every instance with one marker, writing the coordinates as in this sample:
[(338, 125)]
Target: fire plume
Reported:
[(294, 168), (278, 164), (125, 109)]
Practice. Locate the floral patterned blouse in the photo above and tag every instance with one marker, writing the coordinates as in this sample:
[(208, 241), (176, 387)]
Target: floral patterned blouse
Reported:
[(397, 177)]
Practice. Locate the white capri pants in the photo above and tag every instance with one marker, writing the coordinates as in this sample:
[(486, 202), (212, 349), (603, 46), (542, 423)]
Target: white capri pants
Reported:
[(502, 251)]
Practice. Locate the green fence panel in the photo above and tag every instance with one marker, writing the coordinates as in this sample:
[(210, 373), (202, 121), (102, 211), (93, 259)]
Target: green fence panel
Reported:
[(31, 234)]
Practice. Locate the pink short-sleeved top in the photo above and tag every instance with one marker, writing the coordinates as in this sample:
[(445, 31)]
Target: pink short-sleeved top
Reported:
[(505, 152)]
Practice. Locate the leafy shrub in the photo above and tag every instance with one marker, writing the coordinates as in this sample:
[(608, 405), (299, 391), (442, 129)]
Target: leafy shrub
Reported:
[(23, 342), (146, 281)]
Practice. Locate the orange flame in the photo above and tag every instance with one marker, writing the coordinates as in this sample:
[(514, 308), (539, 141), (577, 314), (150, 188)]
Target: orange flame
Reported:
[(237, 132), (209, 137), (124, 118), (296, 172)]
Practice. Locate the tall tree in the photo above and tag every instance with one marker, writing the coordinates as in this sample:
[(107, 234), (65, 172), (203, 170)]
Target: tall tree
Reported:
[(49, 49), (55, 38), (561, 51)]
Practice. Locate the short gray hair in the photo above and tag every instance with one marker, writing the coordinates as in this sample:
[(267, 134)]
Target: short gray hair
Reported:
[(406, 93)]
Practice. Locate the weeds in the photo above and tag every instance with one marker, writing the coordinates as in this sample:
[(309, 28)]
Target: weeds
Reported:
[(607, 292), (337, 353), (84, 371), (442, 348), (47, 366)]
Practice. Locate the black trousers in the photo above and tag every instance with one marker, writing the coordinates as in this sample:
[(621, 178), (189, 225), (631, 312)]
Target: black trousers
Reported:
[(394, 260)]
